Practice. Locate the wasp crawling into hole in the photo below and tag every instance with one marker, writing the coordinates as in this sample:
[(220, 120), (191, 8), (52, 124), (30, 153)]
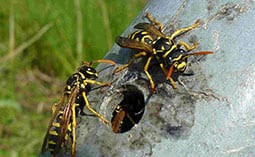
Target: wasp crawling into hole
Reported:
[(129, 111), (62, 126), (150, 42)]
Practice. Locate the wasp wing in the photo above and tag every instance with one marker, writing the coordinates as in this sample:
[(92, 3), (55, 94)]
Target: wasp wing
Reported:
[(67, 114), (56, 111), (116, 122), (59, 123), (133, 44), (150, 28)]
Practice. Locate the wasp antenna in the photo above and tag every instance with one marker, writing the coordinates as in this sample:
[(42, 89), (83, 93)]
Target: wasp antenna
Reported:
[(106, 61), (200, 53), (197, 54)]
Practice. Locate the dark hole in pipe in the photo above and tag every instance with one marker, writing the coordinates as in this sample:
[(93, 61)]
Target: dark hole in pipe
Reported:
[(129, 111)]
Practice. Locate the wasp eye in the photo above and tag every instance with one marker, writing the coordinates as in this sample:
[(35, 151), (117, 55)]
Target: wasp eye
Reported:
[(148, 41), (170, 60), (88, 72)]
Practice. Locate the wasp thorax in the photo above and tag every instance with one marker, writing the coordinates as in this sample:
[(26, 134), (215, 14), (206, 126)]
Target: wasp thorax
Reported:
[(162, 45)]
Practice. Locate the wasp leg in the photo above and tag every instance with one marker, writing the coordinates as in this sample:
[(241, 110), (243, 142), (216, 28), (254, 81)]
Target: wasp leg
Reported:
[(163, 68), (96, 82), (148, 74), (187, 47), (138, 55), (168, 77), (92, 110), (154, 21), (73, 131), (184, 30), (56, 106), (131, 119)]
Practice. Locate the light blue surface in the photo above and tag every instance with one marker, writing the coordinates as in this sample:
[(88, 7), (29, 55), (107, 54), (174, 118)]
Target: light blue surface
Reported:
[(221, 124)]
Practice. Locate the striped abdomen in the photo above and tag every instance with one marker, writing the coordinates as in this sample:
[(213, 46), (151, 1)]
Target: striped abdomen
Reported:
[(54, 142)]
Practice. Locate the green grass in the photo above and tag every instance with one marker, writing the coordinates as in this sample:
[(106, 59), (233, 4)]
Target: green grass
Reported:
[(33, 79)]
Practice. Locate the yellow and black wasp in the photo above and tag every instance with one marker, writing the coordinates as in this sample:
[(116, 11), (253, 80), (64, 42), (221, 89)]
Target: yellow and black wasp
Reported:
[(129, 111), (152, 43), (62, 126)]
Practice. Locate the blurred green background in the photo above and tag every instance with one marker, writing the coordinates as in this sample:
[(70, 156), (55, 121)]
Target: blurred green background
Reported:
[(41, 44)]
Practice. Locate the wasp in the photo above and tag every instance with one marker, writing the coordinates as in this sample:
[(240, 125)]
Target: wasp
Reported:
[(129, 111), (150, 42), (120, 119), (62, 125)]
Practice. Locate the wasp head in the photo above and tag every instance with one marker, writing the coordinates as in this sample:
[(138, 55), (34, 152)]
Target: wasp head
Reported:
[(178, 60), (88, 72)]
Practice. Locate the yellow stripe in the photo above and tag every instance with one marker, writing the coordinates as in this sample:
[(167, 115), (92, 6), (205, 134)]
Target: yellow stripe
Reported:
[(133, 35), (181, 66), (66, 137), (144, 37), (169, 51), (53, 133), (178, 58), (82, 76), (83, 85), (69, 127), (56, 124), (52, 142), (51, 149), (144, 33), (91, 73)]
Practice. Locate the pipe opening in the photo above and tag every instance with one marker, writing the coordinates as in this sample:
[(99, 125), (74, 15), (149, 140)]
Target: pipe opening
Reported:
[(129, 111)]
